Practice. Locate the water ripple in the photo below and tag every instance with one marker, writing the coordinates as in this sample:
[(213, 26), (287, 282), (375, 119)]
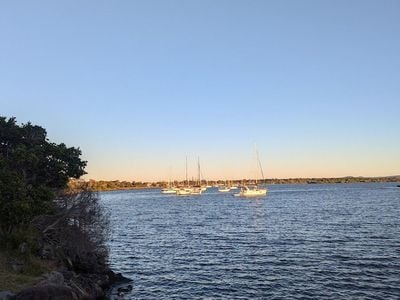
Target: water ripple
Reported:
[(300, 242)]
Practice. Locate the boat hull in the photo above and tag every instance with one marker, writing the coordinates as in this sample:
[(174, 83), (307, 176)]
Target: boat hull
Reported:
[(257, 192), (184, 192), (168, 191), (224, 189)]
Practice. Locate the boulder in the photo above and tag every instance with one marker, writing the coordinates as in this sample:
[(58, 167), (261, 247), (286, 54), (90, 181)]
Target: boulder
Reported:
[(54, 277), (87, 286), (6, 295), (50, 291)]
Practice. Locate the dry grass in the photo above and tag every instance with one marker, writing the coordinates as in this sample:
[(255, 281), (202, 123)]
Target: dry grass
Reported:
[(13, 281)]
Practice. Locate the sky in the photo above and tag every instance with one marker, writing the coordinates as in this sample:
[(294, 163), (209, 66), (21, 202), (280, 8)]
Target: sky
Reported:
[(141, 85)]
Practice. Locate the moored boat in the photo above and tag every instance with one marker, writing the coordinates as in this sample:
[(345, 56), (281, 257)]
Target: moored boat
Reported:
[(184, 191), (169, 190), (196, 191), (224, 189), (251, 191)]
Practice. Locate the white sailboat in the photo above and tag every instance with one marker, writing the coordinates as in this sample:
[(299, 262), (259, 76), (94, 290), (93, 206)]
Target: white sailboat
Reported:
[(232, 186), (187, 190), (197, 190), (224, 188), (170, 189), (253, 190)]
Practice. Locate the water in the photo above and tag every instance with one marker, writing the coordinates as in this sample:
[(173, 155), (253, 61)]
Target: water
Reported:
[(300, 242)]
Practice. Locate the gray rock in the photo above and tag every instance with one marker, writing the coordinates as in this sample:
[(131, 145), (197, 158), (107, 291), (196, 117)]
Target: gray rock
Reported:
[(6, 295), (53, 278), (59, 292)]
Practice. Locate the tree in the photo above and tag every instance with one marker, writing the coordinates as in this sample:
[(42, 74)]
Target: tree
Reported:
[(32, 171), (78, 229)]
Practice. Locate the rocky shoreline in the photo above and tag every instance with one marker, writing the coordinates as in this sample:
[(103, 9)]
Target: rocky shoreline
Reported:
[(65, 285)]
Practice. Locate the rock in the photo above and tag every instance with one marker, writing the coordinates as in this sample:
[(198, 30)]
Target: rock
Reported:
[(125, 289), (117, 278), (98, 292), (119, 285), (53, 278), (6, 295), (59, 292)]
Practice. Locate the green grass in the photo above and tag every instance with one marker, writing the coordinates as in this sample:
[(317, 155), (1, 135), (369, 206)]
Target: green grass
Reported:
[(13, 281)]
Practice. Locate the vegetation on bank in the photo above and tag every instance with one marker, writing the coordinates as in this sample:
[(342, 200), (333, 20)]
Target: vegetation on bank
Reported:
[(33, 172), (44, 225), (103, 185), (14, 280), (347, 179)]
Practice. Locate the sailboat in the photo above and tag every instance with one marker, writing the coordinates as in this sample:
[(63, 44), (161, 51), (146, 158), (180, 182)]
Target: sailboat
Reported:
[(197, 190), (232, 186), (253, 190), (170, 189), (204, 187), (185, 191), (224, 189)]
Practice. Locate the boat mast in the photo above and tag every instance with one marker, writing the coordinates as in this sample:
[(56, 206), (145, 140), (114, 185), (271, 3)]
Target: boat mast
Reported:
[(170, 171), (198, 170), (259, 163), (187, 181)]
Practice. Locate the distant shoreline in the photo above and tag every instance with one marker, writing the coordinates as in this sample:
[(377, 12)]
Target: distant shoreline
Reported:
[(116, 185)]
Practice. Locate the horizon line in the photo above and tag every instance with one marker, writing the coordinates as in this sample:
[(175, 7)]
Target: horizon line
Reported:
[(269, 178)]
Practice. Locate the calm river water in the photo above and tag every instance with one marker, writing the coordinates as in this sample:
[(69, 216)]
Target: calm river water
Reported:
[(339, 241)]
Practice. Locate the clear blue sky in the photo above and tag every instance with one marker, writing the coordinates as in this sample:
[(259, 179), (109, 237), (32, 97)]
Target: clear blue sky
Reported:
[(138, 85)]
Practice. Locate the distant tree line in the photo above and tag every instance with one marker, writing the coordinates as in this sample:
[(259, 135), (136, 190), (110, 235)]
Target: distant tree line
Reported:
[(348, 179), (103, 185)]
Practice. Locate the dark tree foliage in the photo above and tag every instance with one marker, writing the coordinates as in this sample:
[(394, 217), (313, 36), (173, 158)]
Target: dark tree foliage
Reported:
[(32, 170)]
